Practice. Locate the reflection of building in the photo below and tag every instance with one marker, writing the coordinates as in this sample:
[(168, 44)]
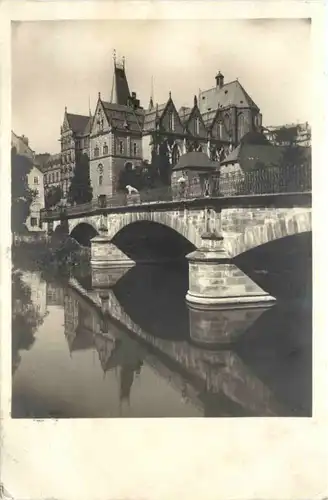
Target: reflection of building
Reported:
[(34, 180), (38, 291)]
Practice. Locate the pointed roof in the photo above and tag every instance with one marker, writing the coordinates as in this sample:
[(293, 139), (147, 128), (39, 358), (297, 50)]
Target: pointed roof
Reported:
[(196, 160), (230, 94), (77, 123), (152, 115), (120, 89)]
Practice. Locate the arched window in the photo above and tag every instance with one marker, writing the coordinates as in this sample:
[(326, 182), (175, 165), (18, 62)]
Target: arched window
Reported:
[(96, 152), (241, 126), (105, 149), (100, 169)]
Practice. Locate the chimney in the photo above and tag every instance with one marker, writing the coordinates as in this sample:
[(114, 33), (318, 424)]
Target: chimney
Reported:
[(219, 80)]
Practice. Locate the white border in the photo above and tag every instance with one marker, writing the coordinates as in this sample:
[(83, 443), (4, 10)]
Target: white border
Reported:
[(165, 459)]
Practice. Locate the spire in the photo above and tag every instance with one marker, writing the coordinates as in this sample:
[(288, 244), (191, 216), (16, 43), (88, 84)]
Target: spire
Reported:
[(151, 100), (89, 108), (120, 93)]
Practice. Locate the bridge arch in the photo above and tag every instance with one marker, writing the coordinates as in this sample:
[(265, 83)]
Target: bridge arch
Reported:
[(83, 232), (178, 222), (278, 225), (152, 241)]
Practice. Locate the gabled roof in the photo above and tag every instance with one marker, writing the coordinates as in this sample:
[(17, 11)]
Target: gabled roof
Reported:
[(196, 160), (250, 155), (151, 115), (124, 117), (77, 123), (230, 94)]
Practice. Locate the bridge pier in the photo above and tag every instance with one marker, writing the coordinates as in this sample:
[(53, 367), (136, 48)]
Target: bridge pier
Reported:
[(105, 254), (215, 281)]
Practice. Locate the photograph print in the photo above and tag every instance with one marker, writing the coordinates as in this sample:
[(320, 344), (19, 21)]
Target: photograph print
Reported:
[(161, 219)]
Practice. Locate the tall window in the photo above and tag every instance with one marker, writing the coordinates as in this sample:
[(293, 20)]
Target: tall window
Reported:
[(100, 180), (105, 149), (241, 126), (135, 150), (121, 147), (96, 152), (171, 121), (36, 180), (175, 155), (197, 126)]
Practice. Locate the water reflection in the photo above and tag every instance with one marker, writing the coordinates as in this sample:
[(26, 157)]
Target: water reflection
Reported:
[(135, 349)]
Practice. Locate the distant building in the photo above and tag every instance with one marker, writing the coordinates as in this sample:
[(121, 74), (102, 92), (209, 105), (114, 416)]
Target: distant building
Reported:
[(34, 179), (75, 137), (52, 172), (279, 135)]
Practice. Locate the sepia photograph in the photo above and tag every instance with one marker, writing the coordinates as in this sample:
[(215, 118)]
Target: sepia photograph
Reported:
[(161, 218)]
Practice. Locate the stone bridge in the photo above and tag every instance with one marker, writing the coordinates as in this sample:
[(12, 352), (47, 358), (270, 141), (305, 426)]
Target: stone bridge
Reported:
[(218, 229)]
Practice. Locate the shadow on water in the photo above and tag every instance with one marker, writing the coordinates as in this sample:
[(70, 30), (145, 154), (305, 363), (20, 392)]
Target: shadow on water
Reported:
[(231, 363)]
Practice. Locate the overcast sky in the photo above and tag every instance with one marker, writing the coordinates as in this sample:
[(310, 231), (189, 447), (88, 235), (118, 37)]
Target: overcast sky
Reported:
[(64, 63)]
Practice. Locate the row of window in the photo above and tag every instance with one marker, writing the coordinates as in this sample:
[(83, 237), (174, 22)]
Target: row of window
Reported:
[(52, 177), (96, 151)]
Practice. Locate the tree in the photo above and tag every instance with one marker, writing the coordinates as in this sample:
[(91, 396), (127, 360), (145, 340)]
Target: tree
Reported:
[(80, 190), (53, 196), (21, 195)]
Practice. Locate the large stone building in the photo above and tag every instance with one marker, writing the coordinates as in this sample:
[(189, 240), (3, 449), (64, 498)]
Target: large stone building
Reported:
[(122, 134)]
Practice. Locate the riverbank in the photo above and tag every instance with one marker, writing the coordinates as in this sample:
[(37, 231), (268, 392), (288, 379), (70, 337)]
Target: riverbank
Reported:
[(54, 256)]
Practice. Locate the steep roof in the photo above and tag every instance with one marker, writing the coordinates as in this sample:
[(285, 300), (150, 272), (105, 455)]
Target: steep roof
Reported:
[(230, 94), (196, 160), (77, 123), (120, 90), (150, 116), (119, 116), (249, 155), (41, 161)]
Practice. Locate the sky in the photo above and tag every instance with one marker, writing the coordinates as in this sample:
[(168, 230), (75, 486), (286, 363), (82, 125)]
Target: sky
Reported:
[(66, 63)]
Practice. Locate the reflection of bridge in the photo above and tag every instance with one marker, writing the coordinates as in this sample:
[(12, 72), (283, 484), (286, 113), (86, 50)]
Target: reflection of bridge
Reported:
[(200, 374), (212, 230)]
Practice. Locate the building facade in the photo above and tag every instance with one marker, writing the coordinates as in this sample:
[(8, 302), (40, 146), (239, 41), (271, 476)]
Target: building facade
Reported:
[(34, 180), (122, 134)]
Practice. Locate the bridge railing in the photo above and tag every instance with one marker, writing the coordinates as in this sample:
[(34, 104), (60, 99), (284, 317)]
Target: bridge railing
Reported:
[(269, 180)]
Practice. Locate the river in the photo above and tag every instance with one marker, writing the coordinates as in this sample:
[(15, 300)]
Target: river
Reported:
[(147, 354)]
